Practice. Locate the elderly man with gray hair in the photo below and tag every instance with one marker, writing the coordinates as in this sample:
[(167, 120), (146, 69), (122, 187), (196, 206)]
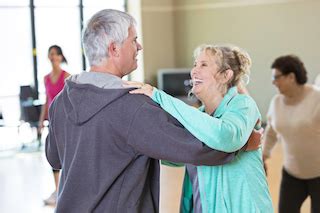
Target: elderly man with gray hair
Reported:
[(107, 141)]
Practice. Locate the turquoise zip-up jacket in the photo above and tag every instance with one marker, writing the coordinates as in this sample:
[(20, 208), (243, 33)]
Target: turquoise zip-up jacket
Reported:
[(239, 186)]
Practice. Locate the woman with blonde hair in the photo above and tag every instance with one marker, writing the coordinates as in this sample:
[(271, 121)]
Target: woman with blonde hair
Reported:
[(224, 122)]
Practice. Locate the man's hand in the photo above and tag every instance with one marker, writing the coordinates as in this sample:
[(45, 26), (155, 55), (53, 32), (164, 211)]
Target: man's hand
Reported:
[(254, 140)]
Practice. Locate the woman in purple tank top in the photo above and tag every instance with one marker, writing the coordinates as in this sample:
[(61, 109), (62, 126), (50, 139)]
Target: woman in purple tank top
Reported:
[(54, 83)]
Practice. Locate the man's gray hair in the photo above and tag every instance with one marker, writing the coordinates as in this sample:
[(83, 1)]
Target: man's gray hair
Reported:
[(103, 28)]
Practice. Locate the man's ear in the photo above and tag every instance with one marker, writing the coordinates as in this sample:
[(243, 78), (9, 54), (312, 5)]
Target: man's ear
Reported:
[(113, 50)]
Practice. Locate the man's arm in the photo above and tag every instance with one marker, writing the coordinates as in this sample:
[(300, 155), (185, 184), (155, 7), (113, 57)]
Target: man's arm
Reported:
[(155, 133)]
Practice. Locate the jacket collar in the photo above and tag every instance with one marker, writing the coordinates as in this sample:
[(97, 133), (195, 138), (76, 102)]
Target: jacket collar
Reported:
[(232, 92)]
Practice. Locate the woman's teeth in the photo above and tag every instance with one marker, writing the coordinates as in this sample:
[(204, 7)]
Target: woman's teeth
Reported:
[(192, 82), (196, 81)]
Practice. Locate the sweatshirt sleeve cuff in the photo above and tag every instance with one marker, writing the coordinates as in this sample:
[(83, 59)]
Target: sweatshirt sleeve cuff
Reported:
[(155, 94)]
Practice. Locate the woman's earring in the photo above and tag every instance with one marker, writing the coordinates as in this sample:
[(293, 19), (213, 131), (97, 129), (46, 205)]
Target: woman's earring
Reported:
[(245, 79)]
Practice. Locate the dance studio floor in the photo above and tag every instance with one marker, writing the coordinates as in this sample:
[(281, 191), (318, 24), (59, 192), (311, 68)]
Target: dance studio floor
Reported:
[(26, 179)]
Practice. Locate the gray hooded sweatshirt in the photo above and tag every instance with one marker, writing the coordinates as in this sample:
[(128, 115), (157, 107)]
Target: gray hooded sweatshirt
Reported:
[(107, 142)]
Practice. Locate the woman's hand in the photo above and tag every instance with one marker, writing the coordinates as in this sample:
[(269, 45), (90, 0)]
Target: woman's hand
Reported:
[(40, 126), (145, 89)]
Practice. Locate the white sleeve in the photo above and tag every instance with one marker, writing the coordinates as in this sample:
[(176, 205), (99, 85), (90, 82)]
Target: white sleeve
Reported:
[(270, 136)]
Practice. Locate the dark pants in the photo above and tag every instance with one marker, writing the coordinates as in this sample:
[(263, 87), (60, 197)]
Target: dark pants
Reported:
[(294, 191)]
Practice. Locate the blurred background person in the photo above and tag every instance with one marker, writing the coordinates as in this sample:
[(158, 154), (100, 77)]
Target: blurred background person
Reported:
[(54, 83), (294, 119)]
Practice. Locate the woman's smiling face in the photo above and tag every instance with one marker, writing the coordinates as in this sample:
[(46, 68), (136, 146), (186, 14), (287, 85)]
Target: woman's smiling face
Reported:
[(204, 74)]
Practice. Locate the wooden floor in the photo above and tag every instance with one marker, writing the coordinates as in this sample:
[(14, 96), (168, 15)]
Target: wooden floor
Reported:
[(26, 179)]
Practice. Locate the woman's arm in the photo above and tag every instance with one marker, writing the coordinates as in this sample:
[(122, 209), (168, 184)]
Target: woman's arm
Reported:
[(228, 133), (43, 115), (270, 136), (66, 75), (269, 141)]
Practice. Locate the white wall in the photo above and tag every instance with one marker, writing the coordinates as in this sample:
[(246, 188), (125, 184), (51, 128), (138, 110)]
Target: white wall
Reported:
[(265, 28)]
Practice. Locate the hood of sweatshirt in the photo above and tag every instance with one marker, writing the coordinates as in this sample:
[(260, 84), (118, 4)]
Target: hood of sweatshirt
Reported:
[(85, 94)]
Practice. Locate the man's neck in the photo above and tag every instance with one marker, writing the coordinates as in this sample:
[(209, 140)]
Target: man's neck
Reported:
[(107, 68)]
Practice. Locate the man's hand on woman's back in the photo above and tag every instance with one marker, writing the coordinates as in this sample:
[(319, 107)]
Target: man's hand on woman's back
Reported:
[(254, 141)]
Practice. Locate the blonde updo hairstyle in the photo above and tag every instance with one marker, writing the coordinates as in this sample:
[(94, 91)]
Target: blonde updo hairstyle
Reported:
[(229, 57)]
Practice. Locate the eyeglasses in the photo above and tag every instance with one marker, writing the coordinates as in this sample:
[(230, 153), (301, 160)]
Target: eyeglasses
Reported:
[(276, 77)]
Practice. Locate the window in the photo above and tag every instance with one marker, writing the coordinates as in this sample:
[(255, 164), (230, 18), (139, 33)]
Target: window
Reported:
[(16, 58), (90, 7), (14, 3), (58, 26), (56, 22)]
